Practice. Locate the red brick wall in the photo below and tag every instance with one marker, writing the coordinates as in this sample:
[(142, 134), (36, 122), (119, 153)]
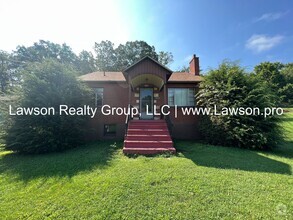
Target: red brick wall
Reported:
[(115, 95)]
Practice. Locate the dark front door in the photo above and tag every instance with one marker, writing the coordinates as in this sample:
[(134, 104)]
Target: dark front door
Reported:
[(146, 103)]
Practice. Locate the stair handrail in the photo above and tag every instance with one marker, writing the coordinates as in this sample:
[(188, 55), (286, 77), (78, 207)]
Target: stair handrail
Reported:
[(168, 121), (128, 118)]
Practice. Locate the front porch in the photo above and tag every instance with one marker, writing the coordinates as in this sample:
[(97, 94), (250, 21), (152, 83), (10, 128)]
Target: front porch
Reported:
[(148, 132)]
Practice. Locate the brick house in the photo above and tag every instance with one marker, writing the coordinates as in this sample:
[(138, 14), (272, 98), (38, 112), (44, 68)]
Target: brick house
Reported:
[(146, 85)]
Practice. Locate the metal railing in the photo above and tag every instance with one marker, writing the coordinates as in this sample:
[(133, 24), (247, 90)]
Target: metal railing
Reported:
[(168, 121), (169, 124)]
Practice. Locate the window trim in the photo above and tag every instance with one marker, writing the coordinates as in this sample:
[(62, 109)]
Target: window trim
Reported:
[(174, 88), (96, 96)]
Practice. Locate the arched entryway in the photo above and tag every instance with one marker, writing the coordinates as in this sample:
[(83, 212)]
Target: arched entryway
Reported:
[(147, 89)]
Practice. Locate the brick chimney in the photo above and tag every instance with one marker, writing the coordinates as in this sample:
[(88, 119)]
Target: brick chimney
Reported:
[(194, 65)]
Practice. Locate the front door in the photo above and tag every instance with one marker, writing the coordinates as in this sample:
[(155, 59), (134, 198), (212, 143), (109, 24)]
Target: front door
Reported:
[(146, 103)]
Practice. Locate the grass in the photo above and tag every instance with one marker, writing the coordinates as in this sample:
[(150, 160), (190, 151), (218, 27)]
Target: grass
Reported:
[(201, 182)]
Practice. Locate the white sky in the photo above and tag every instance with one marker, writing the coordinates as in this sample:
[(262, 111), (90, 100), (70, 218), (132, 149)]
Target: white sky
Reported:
[(77, 23)]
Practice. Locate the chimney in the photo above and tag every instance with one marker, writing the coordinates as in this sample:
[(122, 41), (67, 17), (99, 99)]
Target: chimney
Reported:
[(194, 65)]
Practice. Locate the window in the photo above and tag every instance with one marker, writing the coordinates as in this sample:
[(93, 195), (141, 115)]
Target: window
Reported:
[(99, 92), (181, 96), (110, 129)]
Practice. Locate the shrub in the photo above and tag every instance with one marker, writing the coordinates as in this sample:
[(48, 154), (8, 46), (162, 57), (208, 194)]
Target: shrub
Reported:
[(229, 86), (47, 84)]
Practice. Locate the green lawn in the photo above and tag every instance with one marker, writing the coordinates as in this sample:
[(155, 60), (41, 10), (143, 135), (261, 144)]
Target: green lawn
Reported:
[(200, 182)]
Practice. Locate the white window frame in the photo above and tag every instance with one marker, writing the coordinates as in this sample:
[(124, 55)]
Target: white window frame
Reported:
[(190, 97), (101, 92)]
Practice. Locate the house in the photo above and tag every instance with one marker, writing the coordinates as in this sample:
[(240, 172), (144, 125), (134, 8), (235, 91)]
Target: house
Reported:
[(147, 86)]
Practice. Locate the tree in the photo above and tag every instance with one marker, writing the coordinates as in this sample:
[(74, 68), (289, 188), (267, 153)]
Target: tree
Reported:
[(165, 58), (106, 56), (287, 72), (48, 84), (272, 73), (86, 62), (8, 75), (4, 71), (230, 86), (45, 50), (184, 69), (117, 59), (133, 51), (287, 90)]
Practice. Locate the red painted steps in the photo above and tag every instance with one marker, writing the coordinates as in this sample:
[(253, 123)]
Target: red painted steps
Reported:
[(148, 151), (148, 137), (163, 137)]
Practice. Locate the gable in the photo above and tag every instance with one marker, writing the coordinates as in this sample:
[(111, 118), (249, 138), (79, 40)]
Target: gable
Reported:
[(147, 66)]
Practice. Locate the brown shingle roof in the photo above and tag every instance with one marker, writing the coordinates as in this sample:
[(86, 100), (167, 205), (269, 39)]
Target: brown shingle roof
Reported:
[(184, 77), (119, 77), (103, 77)]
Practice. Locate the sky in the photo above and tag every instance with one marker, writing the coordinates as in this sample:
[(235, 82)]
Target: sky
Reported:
[(248, 31)]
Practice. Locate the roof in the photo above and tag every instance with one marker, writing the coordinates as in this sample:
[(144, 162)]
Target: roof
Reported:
[(119, 77), (103, 77), (173, 77), (184, 77), (148, 57)]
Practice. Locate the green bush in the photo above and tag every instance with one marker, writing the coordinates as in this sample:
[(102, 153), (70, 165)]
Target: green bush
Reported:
[(230, 86), (47, 84)]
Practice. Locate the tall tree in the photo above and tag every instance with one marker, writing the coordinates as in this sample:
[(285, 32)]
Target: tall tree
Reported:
[(117, 59), (165, 58), (86, 62), (287, 90), (42, 50), (287, 72), (48, 84), (8, 74), (106, 56), (184, 69), (271, 72), (4, 71), (132, 51), (278, 76)]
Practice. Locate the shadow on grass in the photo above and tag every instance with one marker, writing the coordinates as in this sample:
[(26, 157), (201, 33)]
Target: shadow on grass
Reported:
[(67, 163), (286, 150), (230, 158)]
